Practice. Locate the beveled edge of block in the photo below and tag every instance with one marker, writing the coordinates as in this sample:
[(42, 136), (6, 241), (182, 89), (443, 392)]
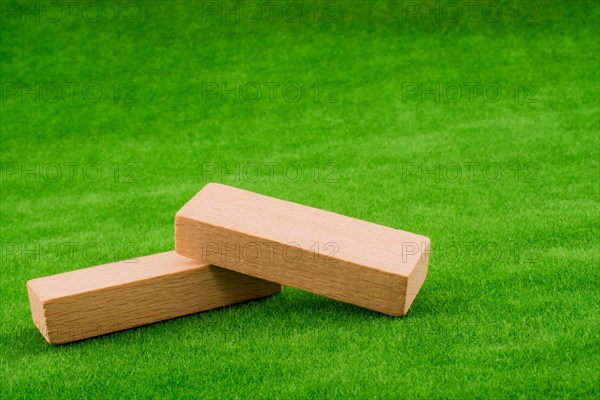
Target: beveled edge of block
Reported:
[(38, 312), (417, 277)]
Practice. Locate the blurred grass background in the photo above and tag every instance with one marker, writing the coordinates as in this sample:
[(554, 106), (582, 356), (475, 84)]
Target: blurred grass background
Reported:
[(510, 305)]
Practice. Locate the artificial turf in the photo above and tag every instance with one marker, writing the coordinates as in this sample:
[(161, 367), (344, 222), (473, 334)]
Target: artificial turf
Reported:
[(510, 305)]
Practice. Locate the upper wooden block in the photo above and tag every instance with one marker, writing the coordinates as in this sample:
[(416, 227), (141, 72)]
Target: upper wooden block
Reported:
[(107, 298), (344, 258)]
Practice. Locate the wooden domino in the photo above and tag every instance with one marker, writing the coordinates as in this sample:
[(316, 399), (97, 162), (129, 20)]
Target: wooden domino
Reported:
[(343, 258), (108, 298)]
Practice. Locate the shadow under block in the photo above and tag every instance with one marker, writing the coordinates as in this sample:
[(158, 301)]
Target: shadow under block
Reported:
[(343, 258), (94, 301)]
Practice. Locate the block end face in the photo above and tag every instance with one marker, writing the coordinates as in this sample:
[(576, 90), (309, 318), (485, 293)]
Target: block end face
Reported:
[(415, 280), (38, 310)]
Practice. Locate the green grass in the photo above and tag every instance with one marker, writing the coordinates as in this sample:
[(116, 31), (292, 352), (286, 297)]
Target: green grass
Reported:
[(510, 305)]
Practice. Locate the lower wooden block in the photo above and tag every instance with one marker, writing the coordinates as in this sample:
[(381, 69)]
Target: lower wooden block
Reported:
[(108, 298)]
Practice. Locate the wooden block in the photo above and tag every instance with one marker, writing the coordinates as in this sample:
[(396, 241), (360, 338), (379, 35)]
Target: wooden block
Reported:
[(108, 298), (343, 258)]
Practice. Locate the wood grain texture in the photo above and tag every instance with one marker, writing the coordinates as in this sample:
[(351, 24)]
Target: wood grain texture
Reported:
[(343, 258), (108, 298)]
